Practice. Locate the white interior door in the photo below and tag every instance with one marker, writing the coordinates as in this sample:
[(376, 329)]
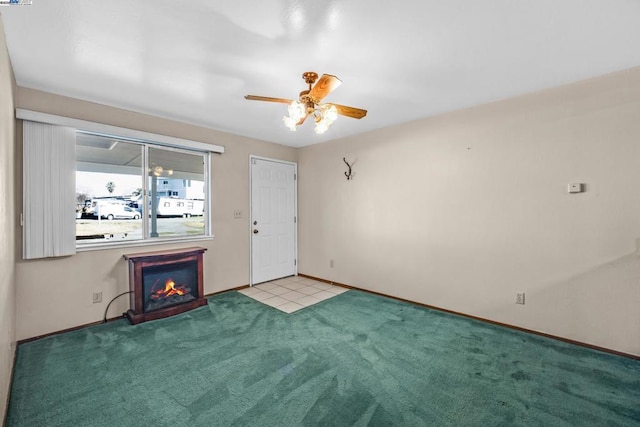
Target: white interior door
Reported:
[(273, 220)]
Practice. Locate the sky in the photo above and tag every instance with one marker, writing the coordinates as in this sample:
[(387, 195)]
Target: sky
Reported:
[(95, 183)]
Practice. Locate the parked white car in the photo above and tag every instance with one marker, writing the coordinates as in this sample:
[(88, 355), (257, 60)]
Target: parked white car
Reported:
[(116, 211)]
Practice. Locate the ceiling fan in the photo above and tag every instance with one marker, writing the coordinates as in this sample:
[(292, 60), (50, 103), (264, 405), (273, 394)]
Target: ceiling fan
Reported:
[(309, 103)]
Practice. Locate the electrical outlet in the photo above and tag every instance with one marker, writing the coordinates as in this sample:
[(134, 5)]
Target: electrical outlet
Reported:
[(97, 297), (331, 263), (520, 298), (237, 213)]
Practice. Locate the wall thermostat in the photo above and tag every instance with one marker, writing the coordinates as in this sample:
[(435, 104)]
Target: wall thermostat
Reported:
[(576, 187)]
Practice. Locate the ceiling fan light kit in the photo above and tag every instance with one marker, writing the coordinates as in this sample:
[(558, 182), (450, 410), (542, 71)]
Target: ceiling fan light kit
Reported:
[(309, 104)]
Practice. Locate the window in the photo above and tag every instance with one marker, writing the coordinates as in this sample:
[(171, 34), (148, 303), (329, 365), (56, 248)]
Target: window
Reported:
[(117, 191), (129, 190)]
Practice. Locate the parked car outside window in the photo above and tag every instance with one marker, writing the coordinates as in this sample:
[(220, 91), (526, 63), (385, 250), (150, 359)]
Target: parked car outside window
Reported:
[(118, 211)]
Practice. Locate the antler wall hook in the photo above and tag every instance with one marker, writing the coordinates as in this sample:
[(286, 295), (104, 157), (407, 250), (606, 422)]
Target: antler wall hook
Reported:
[(347, 174)]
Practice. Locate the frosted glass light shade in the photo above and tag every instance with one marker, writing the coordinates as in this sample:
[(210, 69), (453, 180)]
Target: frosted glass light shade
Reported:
[(290, 123)]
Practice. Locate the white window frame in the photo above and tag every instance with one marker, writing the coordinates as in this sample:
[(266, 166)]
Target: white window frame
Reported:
[(142, 137)]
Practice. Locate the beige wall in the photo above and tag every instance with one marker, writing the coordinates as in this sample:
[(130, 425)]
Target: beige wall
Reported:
[(56, 294), (7, 220), (465, 210)]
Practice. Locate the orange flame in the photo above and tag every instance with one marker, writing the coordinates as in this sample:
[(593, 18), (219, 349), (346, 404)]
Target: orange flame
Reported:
[(169, 289)]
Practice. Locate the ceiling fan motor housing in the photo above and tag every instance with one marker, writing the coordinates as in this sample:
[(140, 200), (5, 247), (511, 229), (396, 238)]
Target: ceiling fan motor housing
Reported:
[(310, 78)]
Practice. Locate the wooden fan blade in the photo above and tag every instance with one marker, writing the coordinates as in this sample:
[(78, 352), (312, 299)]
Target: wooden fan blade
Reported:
[(324, 87), (266, 98), (356, 113)]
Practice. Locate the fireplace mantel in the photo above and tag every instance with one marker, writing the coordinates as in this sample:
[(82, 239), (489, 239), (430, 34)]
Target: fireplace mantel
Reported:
[(141, 264)]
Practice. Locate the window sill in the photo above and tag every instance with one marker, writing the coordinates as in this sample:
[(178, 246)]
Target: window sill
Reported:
[(140, 243)]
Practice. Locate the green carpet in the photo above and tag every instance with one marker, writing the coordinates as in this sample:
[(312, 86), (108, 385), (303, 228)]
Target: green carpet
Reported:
[(355, 359)]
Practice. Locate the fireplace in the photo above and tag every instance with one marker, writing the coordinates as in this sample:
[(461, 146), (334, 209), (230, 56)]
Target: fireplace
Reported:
[(165, 283)]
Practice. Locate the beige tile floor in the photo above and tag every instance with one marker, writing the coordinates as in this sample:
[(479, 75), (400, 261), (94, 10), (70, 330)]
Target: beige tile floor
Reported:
[(292, 293)]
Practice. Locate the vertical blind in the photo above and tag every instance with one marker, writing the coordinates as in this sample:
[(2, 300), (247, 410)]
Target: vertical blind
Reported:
[(48, 190)]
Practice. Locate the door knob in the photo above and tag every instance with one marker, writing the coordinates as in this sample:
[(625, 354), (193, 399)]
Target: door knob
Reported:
[(255, 232)]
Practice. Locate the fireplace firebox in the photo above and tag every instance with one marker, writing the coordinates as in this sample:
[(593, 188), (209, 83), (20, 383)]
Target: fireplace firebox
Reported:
[(165, 283)]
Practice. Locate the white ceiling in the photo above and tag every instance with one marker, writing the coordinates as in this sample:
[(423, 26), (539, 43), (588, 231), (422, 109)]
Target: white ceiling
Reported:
[(193, 61)]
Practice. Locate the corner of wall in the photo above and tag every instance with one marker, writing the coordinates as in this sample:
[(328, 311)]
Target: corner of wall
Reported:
[(8, 90)]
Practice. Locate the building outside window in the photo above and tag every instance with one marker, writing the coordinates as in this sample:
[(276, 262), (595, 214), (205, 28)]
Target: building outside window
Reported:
[(129, 190)]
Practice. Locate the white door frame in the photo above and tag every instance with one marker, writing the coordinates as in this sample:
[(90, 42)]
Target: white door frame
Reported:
[(295, 208)]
